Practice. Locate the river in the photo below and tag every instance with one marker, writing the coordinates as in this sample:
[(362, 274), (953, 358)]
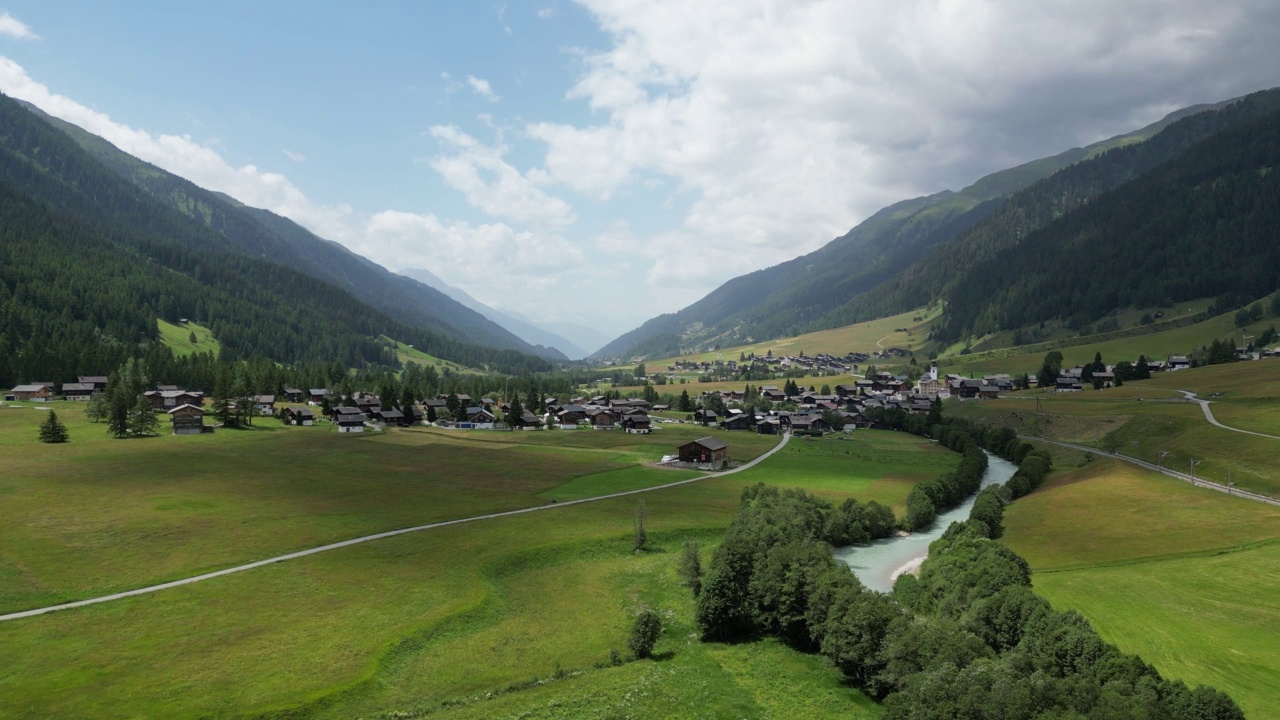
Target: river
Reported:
[(878, 564)]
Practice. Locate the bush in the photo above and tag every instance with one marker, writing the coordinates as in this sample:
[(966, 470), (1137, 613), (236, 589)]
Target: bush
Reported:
[(644, 634), (52, 430)]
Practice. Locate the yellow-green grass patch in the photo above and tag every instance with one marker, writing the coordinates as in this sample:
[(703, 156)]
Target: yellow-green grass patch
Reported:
[(1204, 620), (178, 338)]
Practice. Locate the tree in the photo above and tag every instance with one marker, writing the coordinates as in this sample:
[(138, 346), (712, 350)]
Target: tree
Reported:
[(690, 569), (96, 409), (460, 414), (640, 538), (640, 371), (142, 419), (684, 404), (431, 413), (826, 390), (645, 633), (515, 410), (52, 430)]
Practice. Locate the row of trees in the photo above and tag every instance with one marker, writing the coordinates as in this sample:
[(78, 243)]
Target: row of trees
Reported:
[(966, 639)]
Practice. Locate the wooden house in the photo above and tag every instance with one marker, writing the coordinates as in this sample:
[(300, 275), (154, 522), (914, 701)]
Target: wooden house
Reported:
[(77, 391), (35, 392), (602, 419), (99, 382), (637, 423), (298, 416), (737, 422), (187, 419), (264, 404), (705, 451)]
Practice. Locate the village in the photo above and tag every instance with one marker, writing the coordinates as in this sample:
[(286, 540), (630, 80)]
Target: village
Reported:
[(764, 409)]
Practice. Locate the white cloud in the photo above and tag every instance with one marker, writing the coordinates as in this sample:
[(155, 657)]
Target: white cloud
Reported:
[(482, 88), (787, 122), (492, 185), (295, 156), (15, 28), (546, 13)]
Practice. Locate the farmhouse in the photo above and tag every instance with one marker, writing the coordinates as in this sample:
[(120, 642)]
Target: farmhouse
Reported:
[(298, 416), (638, 424), (705, 451), (187, 420), (349, 419), (99, 382), (737, 422), (602, 419), (37, 392), (77, 390), (264, 404)]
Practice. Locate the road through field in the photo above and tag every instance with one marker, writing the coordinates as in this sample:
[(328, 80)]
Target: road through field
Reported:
[(378, 536), (1208, 415), (1200, 482)]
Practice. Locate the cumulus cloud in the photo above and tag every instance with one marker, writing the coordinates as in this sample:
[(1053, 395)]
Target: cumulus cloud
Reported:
[(491, 184), (11, 26), (482, 88), (788, 122)]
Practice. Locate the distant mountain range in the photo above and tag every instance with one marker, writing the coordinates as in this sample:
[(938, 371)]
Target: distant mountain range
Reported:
[(918, 251), (520, 326), (96, 245)]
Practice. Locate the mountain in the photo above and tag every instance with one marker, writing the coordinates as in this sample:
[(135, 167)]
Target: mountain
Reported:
[(89, 261), (263, 234), (521, 327), (1203, 224), (801, 295)]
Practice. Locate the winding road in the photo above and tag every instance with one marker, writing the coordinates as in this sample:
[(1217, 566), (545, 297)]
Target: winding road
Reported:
[(1208, 415), (378, 536)]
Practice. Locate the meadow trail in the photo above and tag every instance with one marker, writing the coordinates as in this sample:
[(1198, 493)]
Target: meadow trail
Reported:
[(1199, 482), (379, 536)]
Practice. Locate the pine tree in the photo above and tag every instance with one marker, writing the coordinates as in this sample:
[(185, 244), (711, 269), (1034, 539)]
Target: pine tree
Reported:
[(52, 430), (515, 411), (142, 419), (96, 409)]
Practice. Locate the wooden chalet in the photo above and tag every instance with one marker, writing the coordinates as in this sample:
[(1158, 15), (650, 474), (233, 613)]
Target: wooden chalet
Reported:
[(602, 419), (736, 422), (390, 416), (294, 395), (769, 426), (35, 392), (77, 390), (264, 404), (169, 399), (316, 396), (298, 416), (348, 419), (705, 451), (99, 382), (187, 420), (637, 423)]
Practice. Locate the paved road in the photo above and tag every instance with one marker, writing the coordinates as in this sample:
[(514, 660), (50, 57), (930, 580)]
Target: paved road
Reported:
[(378, 536), (1199, 482), (1208, 415)]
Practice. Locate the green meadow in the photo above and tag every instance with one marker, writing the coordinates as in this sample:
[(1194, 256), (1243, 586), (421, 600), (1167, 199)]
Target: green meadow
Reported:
[(1161, 427), (1187, 578), (178, 338), (508, 617)]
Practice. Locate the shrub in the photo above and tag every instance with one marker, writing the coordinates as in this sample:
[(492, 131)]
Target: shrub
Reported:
[(644, 634)]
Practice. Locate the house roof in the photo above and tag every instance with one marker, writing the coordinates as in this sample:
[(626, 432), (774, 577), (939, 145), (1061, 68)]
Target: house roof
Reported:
[(710, 443), (264, 399), (99, 379), (187, 408), (78, 387), (28, 388)]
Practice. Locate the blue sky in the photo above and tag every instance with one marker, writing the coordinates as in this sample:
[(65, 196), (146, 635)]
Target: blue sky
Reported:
[(604, 161)]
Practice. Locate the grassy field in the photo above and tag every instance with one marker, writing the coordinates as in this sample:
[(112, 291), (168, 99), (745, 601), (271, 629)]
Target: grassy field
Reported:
[(99, 515), (1159, 345), (862, 337), (1162, 428), (178, 338), (1185, 577), (405, 353), (447, 620)]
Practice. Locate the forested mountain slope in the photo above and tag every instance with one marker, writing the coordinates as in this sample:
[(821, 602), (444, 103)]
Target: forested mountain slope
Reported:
[(1204, 224), (798, 295), (935, 276), (265, 235), (88, 262)]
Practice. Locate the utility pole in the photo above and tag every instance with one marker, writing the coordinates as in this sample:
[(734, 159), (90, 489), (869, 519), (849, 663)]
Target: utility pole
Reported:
[(1161, 460), (1194, 463)]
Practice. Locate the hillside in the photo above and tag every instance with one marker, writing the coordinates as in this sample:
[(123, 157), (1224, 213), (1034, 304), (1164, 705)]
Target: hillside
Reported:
[(1203, 224), (798, 296), (88, 262), (267, 236)]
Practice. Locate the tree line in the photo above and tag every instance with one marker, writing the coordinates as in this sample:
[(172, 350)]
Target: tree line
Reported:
[(966, 639)]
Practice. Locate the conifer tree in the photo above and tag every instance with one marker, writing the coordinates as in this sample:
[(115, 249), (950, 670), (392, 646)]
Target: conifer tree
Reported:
[(142, 419), (52, 430)]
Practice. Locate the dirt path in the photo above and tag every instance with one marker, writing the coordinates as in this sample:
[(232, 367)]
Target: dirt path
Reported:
[(378, 536), (1199, 482)]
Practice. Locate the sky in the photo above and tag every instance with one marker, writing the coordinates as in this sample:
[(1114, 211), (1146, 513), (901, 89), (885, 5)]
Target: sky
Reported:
[(605, 161)]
